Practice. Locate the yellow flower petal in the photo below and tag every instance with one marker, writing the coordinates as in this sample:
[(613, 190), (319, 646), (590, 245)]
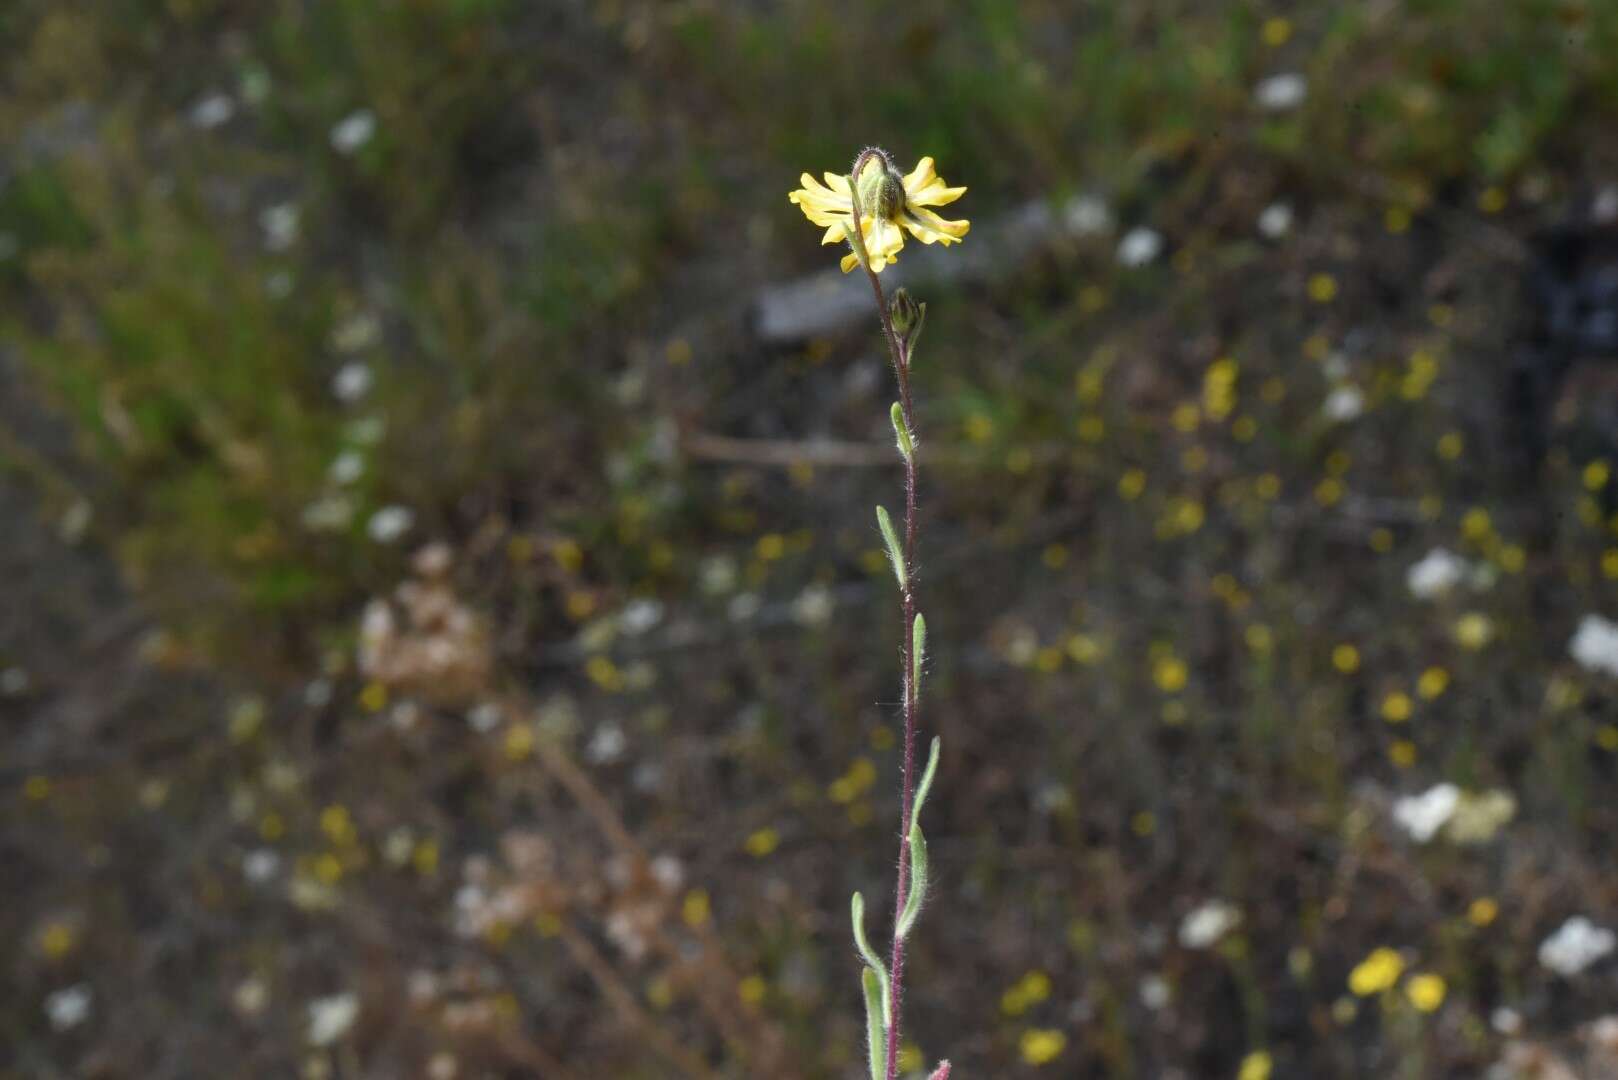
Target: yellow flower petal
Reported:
[(920, 177), (935, 194), (837, 182), (929, 228)]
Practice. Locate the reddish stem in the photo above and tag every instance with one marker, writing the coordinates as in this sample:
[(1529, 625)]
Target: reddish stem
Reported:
[(898, 353)]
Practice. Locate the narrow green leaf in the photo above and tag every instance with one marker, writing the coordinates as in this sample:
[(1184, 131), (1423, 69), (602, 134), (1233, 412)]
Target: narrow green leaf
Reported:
[(891, 538), (872, 961), (926, 784), (918, 882), (857, 243), (901, 432), (876, 1032), (918, 652)]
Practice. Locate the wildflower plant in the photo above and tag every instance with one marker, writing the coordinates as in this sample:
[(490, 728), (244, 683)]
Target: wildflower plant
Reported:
[(871, 210)]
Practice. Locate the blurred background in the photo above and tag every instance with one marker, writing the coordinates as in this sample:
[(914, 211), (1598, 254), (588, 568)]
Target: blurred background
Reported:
[(444, 633)]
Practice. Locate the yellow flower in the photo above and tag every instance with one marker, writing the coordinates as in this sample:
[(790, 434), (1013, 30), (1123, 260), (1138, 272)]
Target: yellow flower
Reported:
[(1376, 973), (1426, 991), (891, 204), (1255, 1066), (1041, 1046)]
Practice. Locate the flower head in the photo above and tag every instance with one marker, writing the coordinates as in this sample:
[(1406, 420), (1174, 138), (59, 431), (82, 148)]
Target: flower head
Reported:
[(891, 203)]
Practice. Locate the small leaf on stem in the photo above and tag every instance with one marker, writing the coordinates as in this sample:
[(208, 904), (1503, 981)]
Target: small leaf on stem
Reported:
[(918, 649), (891, 539), (872, 961), (926, 784), (918, 882), (876, 1033), (901, 432)]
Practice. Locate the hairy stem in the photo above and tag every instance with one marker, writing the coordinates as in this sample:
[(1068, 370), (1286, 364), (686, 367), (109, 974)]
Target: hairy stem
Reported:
[(898, 354)]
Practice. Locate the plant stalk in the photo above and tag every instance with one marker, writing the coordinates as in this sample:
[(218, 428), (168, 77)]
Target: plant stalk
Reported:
[(898, 354)]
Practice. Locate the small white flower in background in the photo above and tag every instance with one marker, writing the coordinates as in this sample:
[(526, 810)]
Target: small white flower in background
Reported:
[(668, 872), (346, 468), (1344, 404), (69, 1008), (261, 865), (328, 515), (1506, 1021), (331, 1017), (212, 111), (743, 606), (1281, 92), (1154, 992), (279, 224), (352, 382), (1595, 645), (353, 131), (485, 718), (318, 693), (814, 605), (1276, 220), (250, 997), (607, 745), (1421, 816), (639, 616), (390, 523), (1087, 215), (1604, 210), (76, 522), (1576, 945), (1139, 246), (717, 575), (1203, 927), (1438, 571), (442, 1066)]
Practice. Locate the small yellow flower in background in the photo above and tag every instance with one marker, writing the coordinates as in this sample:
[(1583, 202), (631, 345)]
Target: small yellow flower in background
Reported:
[(891, 204), (752, 989), (1169, 672), (1041, 1046), (1473, 630), (1426, 991), (1027, 992), (1322, 288), (1255, 1066), (762, 842), (1433, 682), (695, 908), (1346, 658), (1482, 911), (57, 940), (1377, 972), (1396, 707)]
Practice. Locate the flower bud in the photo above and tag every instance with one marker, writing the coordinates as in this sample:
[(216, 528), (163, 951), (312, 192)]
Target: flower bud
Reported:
[(881, 188), (907, 315)]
